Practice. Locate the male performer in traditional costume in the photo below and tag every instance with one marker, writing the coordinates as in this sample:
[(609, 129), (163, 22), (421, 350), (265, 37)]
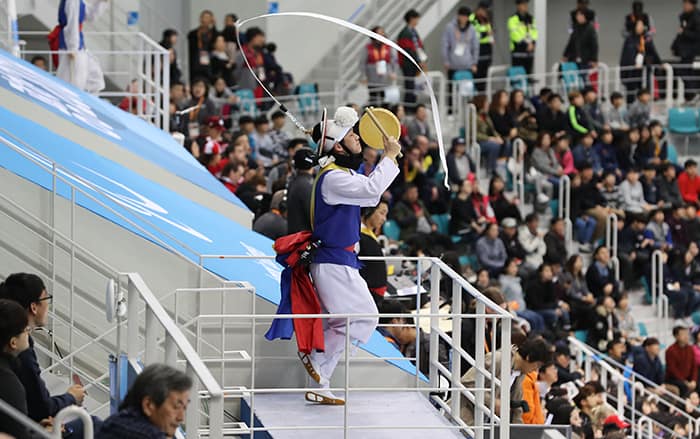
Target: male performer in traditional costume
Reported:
[(338, 195)]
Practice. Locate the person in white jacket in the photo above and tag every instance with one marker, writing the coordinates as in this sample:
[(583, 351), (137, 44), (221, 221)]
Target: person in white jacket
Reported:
[(75, 64), (533, 243)]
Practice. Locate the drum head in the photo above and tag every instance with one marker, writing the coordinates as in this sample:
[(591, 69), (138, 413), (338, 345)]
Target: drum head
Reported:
[(370, 133)]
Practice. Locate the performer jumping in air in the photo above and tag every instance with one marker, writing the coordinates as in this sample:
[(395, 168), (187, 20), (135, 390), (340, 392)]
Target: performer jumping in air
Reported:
[(338, 195)]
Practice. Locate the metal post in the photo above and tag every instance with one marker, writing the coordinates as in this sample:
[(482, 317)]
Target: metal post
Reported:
[(657, 279), (480, 351), (170, 350), (621, 395), (611, 236), (505, 378), (470, 138), (346, 412), (434, 323), (456, 398), (565, 208), (669, 85), (192, 417), (149, 355), (72, 275), (165, 99), (132, 324)]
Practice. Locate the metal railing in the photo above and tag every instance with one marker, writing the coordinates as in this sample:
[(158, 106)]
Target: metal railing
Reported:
[(9, 38), (157, 320), (519, 150), (629, 387), (659, 300), (250, 319), (470, 132), (38, 431), (611, 235), (565, 208), (140, 66)]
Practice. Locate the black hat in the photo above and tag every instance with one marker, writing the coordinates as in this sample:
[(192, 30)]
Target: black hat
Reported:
[(304, 159), (464, 11), (518, 2), (458, 141)]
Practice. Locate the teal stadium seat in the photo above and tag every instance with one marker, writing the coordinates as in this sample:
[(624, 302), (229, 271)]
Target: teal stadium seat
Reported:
[(571, 77), (581, 335), (391, 230), (307, 98), (247, 101), (464, 80), (443, 223), (517, 78), (643, 332), (684, 122), (672, 154)]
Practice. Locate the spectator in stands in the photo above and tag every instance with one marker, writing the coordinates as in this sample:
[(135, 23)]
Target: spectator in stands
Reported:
[(563, 153), (612, 195), (637, 15), (511, 286), (607, 151), (503, 206), (632, 194), (252, 191), (489, 139), (605, 327), (627, 147), (419, 125), (154, 406), (634, 250), (411, 215), (370, 157), (638, 53), (681, 292), (562, 361), (460, 47), (373, 272), (220, 94), (230, 32), (582, 47), (252, 51), (29, 292), (169, 42), (578, 122), (199, 43), (551, 118), (685, 45), (555, 242), (40, 62), (483, 280), (669, 191), (600, 278), (584, 153), (511, 240), (565, 413), (481, 20), (650, 185), (14, 340), (205, 108), (299, 191), (410, 41), (544, 161), (490, 251), (463, 219), (222, 64), (522, 113), (658, 230), (681, 369), (615, 113), (541, 297), (647, 362), (378, 67), (210, 156), (689, 182), (502, 120), (532, 242), (232, 175), (590, 396), (265, 149), (639, 113), (458, 163), (529, 356), (590, 200), (280, 137), (677, 223), (273, 223), (616, 350), (531, 395), (584, 224), (523, 36), (572, 283), (655, 151), (628, 327)]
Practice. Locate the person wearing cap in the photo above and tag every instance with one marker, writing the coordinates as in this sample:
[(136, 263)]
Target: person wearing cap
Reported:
[(509, 236), (613, 423), (562, 361), (523, 36), (210, 157), (481, 21), (685, 45), (410, 41), (373, 272), (338, 195), (378, 67), (273, 224), (299, 191), (460, 47)]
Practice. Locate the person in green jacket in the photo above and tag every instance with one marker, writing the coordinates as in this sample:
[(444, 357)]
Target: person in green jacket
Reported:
[(523, 36)]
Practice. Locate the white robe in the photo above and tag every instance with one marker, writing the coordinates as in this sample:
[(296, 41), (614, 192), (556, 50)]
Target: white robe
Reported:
[(341, 289), (84, 69)]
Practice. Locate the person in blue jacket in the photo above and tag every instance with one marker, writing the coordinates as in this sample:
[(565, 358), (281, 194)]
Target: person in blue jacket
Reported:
[(647, 362)]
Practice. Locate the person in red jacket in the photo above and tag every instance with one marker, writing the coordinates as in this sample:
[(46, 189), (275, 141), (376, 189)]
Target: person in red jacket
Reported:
[(689, 183), (681, 369)]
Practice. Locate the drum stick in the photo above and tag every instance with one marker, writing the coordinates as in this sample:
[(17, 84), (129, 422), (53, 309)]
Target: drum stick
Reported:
[(378, 125)]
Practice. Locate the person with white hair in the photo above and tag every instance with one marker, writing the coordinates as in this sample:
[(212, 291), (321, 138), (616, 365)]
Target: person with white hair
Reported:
[(338, 195)]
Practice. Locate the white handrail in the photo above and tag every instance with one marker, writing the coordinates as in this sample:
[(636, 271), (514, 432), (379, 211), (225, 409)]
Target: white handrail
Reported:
[(611, 236), (657, 280), (70, 412), (470, 133), (565, 208), (518, 155)]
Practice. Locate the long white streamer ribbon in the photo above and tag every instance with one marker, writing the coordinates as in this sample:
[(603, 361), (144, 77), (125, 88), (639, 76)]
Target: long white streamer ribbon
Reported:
[(369, 33)]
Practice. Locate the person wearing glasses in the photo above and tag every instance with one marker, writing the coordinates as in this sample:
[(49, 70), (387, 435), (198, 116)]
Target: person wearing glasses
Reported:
[(13, 341), (29, 291)]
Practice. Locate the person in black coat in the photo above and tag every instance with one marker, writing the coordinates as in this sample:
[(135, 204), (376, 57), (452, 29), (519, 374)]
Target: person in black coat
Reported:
[(638, 52), (600, 277), (582, 47), (541, 297), (551, 118), (299, 191), (199, 43), (556, 243), (13, 340), (685, 45), (606, 327), (373, 272)]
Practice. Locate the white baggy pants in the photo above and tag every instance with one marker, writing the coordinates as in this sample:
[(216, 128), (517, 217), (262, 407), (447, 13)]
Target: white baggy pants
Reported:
[(342, 290)]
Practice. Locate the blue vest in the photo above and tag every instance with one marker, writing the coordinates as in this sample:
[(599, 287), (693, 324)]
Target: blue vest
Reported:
[(337, 226), (63, 21)]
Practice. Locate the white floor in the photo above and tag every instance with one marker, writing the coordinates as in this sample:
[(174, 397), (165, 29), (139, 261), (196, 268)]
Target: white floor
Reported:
[(410, 410)]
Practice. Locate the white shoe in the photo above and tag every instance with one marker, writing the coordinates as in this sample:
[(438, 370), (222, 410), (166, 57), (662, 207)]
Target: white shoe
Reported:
[(313, 369), (323, 397)]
